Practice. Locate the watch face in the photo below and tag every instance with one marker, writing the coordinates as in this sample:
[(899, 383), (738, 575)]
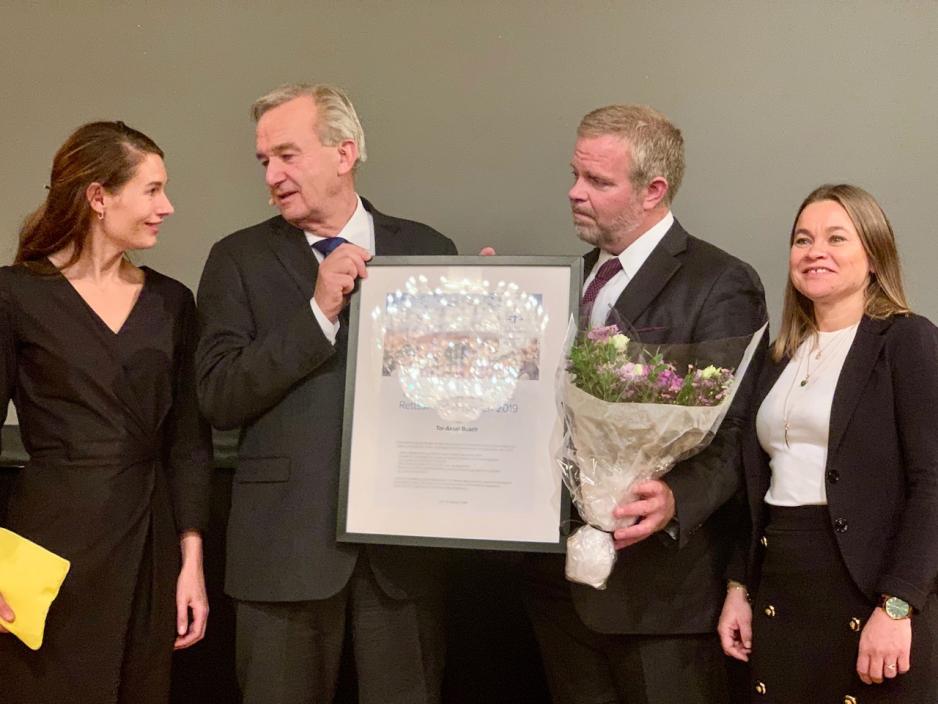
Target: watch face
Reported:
[(896, 608)]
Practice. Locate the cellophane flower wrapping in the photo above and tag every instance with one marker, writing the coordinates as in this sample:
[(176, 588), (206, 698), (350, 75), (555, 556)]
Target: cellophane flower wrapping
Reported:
[(647, 408)]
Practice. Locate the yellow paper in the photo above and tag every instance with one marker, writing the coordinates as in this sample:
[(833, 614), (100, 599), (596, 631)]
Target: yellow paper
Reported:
[(30, 577)]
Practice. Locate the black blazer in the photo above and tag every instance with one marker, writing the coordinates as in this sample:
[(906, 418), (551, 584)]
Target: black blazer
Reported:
[(882, 463), (265, 366), (686, 291)]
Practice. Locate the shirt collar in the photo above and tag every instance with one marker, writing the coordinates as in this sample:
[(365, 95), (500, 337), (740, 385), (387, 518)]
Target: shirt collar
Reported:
[(633, 256), (357, 230)]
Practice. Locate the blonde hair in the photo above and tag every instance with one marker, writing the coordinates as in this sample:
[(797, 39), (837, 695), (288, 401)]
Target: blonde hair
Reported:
[(336, 120), (656, 144), (885, 296)]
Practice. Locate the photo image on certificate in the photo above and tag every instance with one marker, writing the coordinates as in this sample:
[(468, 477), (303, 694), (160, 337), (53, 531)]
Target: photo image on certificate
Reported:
[(530, 353), (451, 417)]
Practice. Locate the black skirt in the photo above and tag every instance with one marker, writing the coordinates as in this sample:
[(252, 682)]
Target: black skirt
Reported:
[(807, 618)]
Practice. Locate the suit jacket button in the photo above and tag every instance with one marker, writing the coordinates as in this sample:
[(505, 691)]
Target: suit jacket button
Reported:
[(849, 700), (855, 624), (840, 525), (760, 687), (770, 611), (833, 476), (764, 541)]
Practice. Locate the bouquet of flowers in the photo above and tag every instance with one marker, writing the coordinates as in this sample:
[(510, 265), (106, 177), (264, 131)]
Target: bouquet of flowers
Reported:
[(632, 412)]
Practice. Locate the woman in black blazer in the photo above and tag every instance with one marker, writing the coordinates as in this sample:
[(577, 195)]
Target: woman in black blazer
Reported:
[(841, 465)]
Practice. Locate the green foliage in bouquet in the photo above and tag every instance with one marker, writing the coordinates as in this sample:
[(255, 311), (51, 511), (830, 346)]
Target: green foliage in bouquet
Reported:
[(601, 366)]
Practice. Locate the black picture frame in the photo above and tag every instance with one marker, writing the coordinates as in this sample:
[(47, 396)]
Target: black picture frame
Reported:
[(359, 430)]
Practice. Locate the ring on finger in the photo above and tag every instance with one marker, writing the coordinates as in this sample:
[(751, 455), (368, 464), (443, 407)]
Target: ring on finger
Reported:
[(891, 666)]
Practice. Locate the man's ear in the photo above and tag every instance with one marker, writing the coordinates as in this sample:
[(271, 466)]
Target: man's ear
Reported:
[(348, 156), (655, 192)]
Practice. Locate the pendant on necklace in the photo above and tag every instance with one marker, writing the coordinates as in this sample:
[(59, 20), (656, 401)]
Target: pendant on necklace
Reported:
[(804, 382)]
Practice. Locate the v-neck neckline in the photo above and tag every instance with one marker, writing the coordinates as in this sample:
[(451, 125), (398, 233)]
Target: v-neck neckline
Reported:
[(94, 314)]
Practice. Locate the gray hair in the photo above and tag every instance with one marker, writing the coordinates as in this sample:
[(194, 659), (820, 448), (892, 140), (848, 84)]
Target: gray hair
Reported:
[(657, 145), (337, 119)]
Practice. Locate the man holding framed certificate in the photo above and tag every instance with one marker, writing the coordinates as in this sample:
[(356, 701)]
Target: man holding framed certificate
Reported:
[(272, 362)]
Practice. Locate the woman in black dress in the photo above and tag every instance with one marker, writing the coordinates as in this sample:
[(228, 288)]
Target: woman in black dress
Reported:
[(841, 466), (96, 354)]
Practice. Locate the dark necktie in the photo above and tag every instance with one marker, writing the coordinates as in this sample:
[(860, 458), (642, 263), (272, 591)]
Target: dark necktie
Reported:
[(327, 246), (606, 272)]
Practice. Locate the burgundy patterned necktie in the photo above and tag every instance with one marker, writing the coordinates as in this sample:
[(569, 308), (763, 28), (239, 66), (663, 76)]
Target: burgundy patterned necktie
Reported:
[(606, 272), (327, 246)]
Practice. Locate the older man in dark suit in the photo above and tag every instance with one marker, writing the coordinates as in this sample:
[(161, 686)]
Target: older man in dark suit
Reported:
[(649, 638), (272, 363)]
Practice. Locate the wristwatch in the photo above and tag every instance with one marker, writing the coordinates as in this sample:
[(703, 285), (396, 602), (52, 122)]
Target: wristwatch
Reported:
[(895, 608)]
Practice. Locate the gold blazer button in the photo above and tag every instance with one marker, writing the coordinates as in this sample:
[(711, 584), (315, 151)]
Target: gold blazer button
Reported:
[(760, 687), (770, 611), (855, 624)]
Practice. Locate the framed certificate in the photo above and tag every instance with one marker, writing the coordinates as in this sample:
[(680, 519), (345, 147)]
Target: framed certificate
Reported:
[(409, 476)]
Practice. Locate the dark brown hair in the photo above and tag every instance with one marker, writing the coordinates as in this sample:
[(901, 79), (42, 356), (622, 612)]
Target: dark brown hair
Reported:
[(107, 153)]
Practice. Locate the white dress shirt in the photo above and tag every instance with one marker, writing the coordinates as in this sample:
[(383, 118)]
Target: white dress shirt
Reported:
[(359, 230), (632, 258)]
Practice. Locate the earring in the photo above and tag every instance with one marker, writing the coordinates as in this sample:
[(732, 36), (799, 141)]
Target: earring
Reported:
[(101, 215)]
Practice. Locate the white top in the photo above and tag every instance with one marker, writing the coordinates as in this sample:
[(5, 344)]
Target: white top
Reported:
[(359, 230), (793, 422), (632, 258)]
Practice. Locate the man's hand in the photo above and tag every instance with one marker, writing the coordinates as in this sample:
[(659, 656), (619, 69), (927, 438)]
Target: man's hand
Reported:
[(735, 625), (6, 613), (336, 278), (884, 648), (654, 509)]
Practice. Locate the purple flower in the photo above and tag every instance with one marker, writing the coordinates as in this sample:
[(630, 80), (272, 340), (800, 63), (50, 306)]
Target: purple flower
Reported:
[(709, 386), (602, 334), (630, 372), (670, 381)]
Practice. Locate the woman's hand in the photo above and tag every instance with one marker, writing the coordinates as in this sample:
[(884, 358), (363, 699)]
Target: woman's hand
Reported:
[(884, 648), (735, 624), (190, 593), (6, 613)]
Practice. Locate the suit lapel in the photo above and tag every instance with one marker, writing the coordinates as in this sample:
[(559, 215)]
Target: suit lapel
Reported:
[(291, 248), (388, 241), (589, 261), (653, 276), (853, 377), (771, 371)]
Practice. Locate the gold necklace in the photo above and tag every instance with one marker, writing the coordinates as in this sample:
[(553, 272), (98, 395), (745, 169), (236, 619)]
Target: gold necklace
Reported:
[(818, 356), (822, 358), (786, 407)]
